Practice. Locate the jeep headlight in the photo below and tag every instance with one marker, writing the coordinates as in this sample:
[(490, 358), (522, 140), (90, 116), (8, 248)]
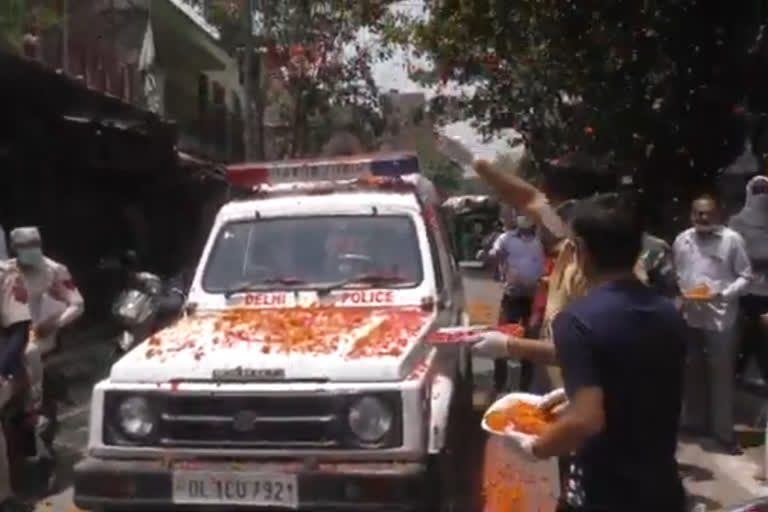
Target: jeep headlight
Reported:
[(136, 417), (370, 419)]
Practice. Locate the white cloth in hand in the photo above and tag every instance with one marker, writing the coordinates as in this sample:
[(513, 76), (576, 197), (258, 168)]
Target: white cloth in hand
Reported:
[(552, 399), (491, 345), (523, 447), (464, 151), (484, 152), (727, 294)]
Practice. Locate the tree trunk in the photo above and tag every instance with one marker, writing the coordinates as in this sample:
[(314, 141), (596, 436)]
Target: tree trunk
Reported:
[(248, 80), (299, 120), (259, 153)]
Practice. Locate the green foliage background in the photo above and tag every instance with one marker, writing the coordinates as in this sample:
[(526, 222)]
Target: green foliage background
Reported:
[(659, 89), (323, 28), (16, 14)]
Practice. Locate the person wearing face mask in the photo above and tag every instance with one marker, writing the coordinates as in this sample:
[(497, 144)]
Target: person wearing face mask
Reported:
[(712, 255), (607, 343), (521, 259), (15, 319), (44, 285), (566, 281), (41, 291), (752, 224)]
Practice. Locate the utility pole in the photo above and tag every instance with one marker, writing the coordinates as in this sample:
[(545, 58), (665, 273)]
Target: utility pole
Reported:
[(247, 20), (65, 36), (261, 83)]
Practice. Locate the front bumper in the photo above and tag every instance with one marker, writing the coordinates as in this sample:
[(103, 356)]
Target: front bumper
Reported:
[(360, 487)]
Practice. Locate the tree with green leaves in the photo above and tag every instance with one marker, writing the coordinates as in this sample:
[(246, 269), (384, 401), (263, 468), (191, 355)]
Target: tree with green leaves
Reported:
[(313, 53), (656, 88), (443, 172), (19, 16)]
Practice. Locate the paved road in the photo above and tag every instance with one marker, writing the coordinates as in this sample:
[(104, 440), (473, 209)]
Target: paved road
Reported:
[(82, 371), (715, 480)]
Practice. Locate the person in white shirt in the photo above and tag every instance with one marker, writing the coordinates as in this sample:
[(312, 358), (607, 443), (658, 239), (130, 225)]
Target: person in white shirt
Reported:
[(20, 303), (39, 292), (713, 255), (752, 224), (39, 287), (521, 258)]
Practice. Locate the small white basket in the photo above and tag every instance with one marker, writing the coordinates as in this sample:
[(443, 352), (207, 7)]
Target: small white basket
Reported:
[(506, 402), (547, 469)]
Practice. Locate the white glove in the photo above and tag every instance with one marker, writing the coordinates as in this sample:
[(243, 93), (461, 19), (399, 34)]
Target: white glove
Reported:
[(727, 294), (552, 399), (491, 345), (484, 153), (733, 290), (459, 150)]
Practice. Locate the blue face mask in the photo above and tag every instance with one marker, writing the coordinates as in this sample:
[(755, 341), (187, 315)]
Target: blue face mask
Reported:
[(30, 256)]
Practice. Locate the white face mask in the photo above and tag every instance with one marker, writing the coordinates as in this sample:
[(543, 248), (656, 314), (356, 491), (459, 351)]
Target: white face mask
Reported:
[(30, 256), (705, 228), (760, 201), (524, 222)]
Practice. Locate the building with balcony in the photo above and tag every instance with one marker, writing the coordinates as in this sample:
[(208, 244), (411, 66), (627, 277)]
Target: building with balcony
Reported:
[(117, 115), (160, 56)]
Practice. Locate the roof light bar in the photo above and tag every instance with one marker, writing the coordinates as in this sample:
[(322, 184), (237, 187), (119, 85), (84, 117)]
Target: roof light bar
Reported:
[(319, 170)]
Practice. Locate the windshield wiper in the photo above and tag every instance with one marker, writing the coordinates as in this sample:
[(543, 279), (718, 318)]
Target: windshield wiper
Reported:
[(245, 286), (372, 279), (284, 280)]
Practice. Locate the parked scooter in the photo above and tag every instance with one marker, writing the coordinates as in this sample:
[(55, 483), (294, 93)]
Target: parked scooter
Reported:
[(134, 310), (144, 307)]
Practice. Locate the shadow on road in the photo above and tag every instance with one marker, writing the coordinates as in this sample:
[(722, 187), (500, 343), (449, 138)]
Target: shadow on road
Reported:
[(31, 485), (65, 468)]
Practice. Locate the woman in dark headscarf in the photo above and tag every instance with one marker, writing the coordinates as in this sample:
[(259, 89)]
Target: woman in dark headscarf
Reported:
[(752, 224)]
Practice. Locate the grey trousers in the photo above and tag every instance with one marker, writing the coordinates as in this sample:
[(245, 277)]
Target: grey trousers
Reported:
[(6, 392), (709, 382)]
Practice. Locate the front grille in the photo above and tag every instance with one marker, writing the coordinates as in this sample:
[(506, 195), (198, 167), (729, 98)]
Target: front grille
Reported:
[(251, 422)]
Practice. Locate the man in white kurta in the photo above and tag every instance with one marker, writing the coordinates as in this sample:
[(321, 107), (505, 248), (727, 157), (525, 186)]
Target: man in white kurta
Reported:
[(712, 255), (39, 290), (37, 297)]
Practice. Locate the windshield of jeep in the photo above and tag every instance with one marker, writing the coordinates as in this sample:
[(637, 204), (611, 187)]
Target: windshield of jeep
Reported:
[(313, 252)]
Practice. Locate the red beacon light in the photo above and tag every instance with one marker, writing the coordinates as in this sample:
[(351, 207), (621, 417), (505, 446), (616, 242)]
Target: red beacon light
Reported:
[(315, 171)]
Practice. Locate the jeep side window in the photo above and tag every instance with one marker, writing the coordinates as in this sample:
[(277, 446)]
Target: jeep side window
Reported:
[(434, 251), (446, 228), (443, 249)]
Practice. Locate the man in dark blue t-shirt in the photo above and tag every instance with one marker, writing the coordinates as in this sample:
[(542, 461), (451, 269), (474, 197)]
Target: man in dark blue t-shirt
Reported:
[(621, 350)]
